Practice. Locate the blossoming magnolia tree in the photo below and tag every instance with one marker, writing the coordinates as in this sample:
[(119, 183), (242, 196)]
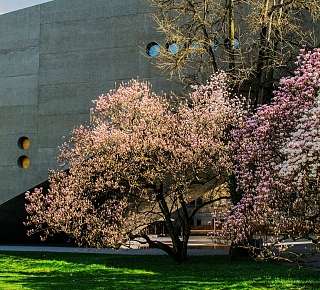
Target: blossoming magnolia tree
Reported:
[(277, 161), (299, 177), (141, 160)]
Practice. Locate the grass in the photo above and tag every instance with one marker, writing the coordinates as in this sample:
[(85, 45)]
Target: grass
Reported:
[(82, 271)]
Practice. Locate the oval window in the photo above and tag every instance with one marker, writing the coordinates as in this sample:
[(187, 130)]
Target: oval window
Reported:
[(24, 143), (24, 162), (153, 49)]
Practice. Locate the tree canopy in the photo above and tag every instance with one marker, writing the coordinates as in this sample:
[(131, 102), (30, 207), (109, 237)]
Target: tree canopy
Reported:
[(277, 161), (254, 41), (139, 161)]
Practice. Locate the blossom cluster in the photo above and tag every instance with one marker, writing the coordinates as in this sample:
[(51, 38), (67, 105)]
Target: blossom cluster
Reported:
[(277, 160)]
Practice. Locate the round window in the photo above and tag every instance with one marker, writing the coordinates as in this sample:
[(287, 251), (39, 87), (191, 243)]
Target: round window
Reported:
[(173, 47), (153, 49), (24, 162), (24, 143)]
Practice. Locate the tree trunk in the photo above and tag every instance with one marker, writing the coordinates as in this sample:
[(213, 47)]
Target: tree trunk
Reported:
[(185, 241), (231, 35), (178, 252), (260, 95)]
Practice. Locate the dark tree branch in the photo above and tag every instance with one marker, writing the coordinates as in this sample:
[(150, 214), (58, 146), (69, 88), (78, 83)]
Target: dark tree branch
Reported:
[(155, 244), (207, 38)]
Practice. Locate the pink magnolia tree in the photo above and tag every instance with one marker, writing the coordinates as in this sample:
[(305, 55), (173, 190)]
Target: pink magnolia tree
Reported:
[(136, 164), (277, 161), (299, 178)]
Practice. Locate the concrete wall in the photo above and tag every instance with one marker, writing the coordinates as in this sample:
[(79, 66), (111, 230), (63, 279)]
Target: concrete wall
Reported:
[(19, 92), (54, 59)]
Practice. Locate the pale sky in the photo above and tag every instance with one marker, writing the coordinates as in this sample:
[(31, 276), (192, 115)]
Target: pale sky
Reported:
[(12, 5)]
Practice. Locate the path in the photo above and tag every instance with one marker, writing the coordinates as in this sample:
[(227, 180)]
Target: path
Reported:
[(135, 252)]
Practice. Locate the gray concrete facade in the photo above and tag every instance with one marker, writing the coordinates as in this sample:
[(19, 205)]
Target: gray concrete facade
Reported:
[(54, 59)]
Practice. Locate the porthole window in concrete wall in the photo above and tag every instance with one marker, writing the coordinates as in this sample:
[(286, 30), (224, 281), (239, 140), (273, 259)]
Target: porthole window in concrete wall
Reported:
[(153, 49), (173, 47), (24, 162), (24, 143)]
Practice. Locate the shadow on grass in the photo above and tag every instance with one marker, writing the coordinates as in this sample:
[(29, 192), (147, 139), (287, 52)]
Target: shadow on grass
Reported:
[(81, 271)]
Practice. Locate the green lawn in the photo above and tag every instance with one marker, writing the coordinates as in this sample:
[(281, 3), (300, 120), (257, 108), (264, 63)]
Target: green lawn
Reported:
[(81, 271)]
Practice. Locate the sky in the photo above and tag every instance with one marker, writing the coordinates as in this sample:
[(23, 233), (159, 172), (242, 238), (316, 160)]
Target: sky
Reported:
[(12, 5)]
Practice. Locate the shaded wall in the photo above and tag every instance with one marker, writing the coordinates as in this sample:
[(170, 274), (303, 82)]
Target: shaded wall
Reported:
[(54, 59)]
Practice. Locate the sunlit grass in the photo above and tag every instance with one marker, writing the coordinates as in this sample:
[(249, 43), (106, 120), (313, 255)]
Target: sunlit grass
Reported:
[(81, 271)]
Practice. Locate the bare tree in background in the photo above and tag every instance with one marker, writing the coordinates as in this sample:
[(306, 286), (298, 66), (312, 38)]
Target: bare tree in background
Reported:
[(254, 41)]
